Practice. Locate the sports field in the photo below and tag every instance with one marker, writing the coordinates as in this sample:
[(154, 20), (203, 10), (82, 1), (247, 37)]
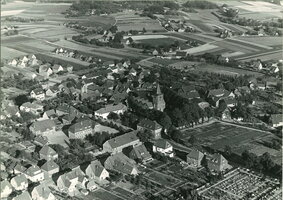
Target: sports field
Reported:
[(218, 135)]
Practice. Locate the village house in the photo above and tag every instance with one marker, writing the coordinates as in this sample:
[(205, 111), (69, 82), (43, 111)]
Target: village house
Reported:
[(104, 112), (52, 91), (152, 126), (23, 196), (9, 111), (41, 140), (71, 182), (50, 167), (121, 163), (49, 114), (19, 182), (81, 129), (91, 185), (188, 92), (181, 54), (38, 94), (19, 169), (45, 70), (194, 158), (34, 174), (163, 147), (216, 162), (96, 170), (47, 153), (34, 107), (117, 144), (27, 145), (276, 120), (139, 153), (42, 192), (43, 127), (6, 189), (57, 68), (64, 109)]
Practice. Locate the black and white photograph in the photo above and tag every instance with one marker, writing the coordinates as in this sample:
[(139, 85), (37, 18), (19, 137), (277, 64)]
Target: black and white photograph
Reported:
[(141, 100)]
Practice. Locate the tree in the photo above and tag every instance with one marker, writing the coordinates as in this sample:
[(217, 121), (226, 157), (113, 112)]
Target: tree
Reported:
[(113, 116), (113, 29), (118, 37), (144, 136), (143, 30)]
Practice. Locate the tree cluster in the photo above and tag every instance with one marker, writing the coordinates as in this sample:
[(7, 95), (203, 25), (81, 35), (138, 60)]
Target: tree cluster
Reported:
[(200, 4)]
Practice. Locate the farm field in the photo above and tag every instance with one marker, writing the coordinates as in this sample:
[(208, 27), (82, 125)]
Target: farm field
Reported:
[(218, 135), (9, 53), (91, 21), (225, 70), (129, 21), (266, 41), (276, 55), (201, 49), (162, 61), (158, 41)]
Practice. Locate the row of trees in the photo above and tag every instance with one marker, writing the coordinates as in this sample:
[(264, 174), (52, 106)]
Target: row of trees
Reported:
[(200, 4)]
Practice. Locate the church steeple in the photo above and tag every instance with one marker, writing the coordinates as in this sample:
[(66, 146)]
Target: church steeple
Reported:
[(158, 91), (158, 100)]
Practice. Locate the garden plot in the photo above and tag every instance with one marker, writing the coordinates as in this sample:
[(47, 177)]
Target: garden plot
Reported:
[(162, 179)]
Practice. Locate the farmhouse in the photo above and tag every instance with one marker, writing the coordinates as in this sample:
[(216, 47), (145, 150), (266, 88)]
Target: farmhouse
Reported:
[(181, 54), (121, 163), (19, 182), (96, 170), (50, 167), (45, 70), (217, 162), (71, 181), (276, 120), (34, 174), (117, 144), (164, 147), (194, 158), (42, 191), (104, 112), (139, 153), (152, 126), (48, 153), (37, 94)]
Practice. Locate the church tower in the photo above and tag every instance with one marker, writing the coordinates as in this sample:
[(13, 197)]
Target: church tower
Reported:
[(158, 100)]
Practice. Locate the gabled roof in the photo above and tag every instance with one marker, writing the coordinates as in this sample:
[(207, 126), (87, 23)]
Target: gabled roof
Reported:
[(215, 158), (140, 152), (181, 53), (33, 170), (19, 179), (276, 118), (51, 113), (42, 140), (49, 165), (123, 139), (43, 125), (47, 150), (38, 91), (43, 191), (111, 108), (82, 125), (161, 143), (147, 123), (96, 167), (121, 163), (23, 196), (195, 154)]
